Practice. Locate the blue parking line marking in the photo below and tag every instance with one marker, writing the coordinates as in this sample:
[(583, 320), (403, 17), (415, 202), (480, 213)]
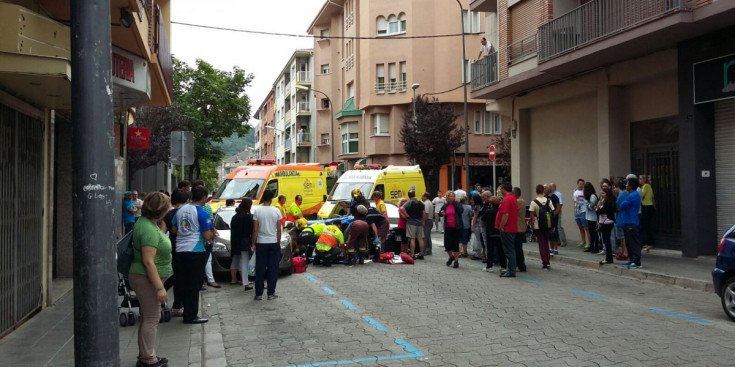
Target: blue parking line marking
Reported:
[(311, 279), (525, 277), (685, 317), (328, 291), (375, 324), (590, 294), (349, 305), (413, 352)]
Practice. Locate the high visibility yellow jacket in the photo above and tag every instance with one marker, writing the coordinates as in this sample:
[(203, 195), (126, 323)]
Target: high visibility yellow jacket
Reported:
[(330, 237)]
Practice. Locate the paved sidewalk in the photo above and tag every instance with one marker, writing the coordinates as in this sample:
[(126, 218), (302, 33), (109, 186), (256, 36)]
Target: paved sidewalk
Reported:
[(47, 340), (659, 265)]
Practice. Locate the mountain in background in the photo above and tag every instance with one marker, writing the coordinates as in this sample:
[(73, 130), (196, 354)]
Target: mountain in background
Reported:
[(235, 144)]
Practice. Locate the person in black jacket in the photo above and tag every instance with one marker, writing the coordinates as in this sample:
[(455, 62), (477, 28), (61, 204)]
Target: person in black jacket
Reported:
[(606, 208), (492, 235), (452, 213), (241, 235)]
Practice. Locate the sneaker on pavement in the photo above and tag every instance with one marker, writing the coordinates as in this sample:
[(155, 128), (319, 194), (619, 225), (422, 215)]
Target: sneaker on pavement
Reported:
[(272, 296), (627, 263), (258, 298), (634, 266), (546, 267)]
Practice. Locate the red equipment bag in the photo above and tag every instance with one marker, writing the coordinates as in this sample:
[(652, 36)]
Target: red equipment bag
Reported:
[(385, 257), (299, 264), (407, 259)]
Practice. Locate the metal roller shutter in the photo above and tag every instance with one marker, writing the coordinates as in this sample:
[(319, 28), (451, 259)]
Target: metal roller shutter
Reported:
[(725, 163), (523, 20)]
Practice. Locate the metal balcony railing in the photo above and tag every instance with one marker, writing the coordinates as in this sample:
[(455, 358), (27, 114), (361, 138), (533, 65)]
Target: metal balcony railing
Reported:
[(380, 88), (303, 139), (522, 49), (596, 20), (484, 71), (303, 77), (303, 107)]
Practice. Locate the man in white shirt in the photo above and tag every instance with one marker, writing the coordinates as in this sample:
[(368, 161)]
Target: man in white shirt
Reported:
[(486, 49), (429, 210), (438, 203), (266, 246)]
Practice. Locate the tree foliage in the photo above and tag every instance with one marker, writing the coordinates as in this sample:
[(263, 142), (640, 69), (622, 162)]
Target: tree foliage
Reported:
[(213, 105), (209, 102), (160, 121), (431, 140)]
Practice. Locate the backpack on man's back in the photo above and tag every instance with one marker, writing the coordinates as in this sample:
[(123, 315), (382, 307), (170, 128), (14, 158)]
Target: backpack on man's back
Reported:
[(545, 215)]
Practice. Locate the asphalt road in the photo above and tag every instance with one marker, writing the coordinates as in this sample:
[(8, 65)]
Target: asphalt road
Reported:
[(432, 315)]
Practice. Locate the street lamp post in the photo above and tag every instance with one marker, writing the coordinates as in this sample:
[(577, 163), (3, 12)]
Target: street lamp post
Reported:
[(331, 116), (466, 118), (414, 86)]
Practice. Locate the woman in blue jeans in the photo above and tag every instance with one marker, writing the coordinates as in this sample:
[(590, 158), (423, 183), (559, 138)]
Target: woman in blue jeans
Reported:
[(266, 246)]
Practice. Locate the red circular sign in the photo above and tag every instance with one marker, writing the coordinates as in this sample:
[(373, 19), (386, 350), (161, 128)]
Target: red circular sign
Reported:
[(491, 153)]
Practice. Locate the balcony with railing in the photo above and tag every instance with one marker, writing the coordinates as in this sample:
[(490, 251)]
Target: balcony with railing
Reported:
[(303, 108), (303, 139), (484, 72), (597, 20), (303, 77), (522, 49)]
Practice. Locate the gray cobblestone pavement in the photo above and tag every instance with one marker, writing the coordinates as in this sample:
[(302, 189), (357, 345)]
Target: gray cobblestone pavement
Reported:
[(466, 317)]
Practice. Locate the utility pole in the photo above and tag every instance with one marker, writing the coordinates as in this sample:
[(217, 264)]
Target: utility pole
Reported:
[(96, 338)]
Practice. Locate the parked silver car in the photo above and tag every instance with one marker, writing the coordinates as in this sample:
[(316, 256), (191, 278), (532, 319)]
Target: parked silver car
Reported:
[(221, 251)]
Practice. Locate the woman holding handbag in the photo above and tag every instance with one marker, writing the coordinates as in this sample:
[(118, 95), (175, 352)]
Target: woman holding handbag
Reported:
[(241, 227)]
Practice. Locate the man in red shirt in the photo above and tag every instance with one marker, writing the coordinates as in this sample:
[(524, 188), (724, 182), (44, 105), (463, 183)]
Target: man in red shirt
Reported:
[(507, 223)]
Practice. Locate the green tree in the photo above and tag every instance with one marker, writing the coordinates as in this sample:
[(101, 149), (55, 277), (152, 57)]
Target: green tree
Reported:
[(431, 140), (213, 105)]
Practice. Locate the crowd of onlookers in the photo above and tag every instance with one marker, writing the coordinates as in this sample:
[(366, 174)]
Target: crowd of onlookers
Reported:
[(493, 225)]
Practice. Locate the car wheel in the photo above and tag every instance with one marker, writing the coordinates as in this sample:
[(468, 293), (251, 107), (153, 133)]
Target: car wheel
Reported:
[(728, 298)]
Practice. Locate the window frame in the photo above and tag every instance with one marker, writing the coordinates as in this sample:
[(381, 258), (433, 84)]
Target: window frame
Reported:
[(349, 137), (393, 25), (381, 26), (323, 68), (380, 78), (381, 120), (403, 82), (392, 78), (477, 122)]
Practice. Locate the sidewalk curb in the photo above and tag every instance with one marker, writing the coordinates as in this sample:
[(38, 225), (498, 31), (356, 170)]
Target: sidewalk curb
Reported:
[(639, 274), (213, 347)]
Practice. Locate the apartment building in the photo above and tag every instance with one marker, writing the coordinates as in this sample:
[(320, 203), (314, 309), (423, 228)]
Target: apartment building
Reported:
[(595, 88), (35, 134), (266, 136), (366, 63), (294, 110)]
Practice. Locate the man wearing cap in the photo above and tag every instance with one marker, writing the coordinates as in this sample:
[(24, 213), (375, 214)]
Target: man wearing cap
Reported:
[(357, 236), (629, 207), (129, 210)]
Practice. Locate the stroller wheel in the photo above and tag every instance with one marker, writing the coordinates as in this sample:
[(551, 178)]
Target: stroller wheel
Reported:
[(123, 319), (131, 318)]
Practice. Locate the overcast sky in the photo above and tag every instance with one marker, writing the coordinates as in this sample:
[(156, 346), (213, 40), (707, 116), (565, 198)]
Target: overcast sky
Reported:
[(263, 56)]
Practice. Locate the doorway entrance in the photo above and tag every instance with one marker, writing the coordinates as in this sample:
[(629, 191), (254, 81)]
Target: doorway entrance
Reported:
[(655, 152)]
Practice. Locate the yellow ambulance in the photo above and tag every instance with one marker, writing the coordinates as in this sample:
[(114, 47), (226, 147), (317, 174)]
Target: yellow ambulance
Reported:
[(260, 175), (393, 181)]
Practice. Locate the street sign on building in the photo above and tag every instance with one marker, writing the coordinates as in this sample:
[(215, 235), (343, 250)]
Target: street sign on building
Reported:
[(182, 145)]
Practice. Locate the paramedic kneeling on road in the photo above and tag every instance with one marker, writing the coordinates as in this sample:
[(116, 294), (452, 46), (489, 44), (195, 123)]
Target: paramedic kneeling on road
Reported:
[(328, 245)]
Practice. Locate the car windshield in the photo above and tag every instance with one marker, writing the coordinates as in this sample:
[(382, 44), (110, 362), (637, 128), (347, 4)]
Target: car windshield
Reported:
[(342, 190), (239, 188), (222, 219)]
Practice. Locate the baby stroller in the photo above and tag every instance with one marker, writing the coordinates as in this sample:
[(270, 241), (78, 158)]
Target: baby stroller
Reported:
[(530, 236), (129, 301)]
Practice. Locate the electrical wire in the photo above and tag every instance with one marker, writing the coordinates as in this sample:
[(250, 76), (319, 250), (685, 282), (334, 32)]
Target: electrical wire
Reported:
[(311, 36), (446, 91)]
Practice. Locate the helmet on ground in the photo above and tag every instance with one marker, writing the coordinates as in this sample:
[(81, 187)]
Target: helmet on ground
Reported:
[(356, 193), (301, 223)]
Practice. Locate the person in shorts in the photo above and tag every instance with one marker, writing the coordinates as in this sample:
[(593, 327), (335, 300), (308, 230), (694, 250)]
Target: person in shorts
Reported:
[(580, 214), (401, 228), (414, 212)]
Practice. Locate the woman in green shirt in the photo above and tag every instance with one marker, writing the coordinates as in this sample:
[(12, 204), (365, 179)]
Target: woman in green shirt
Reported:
[(648, 210), (150, 267)]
